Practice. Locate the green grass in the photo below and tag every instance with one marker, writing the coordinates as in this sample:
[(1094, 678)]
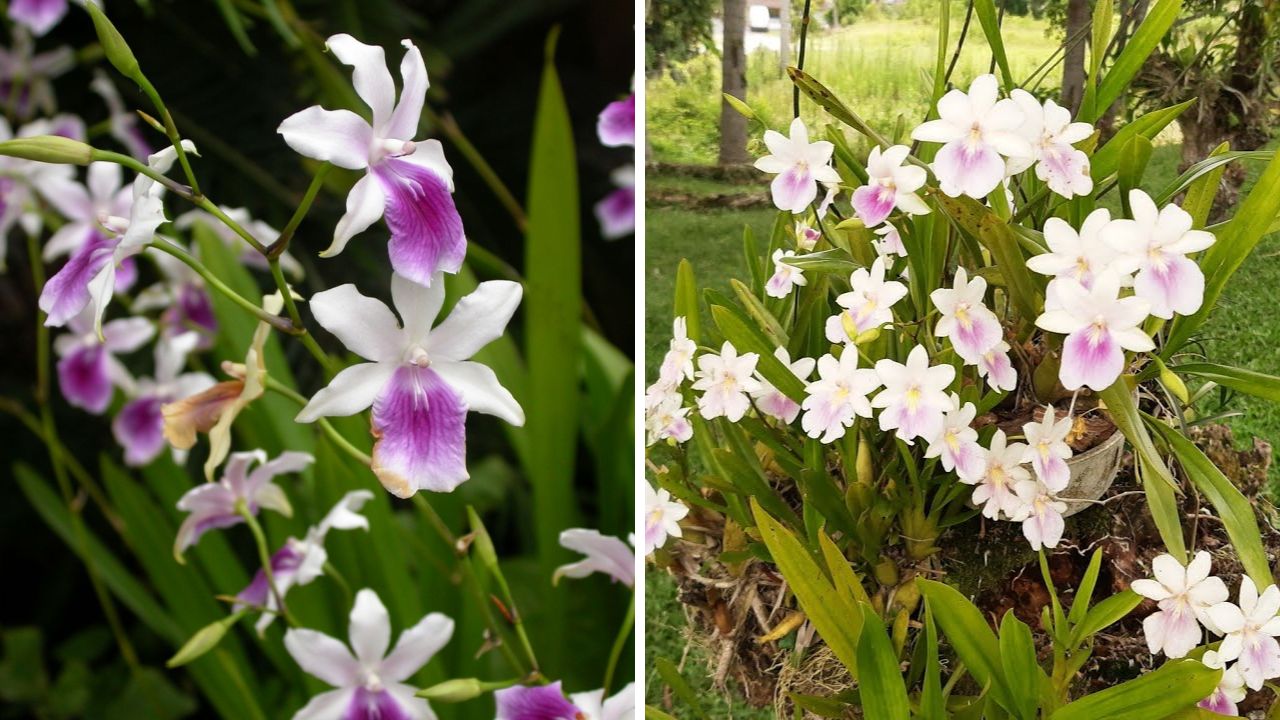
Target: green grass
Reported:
[(881, 68)]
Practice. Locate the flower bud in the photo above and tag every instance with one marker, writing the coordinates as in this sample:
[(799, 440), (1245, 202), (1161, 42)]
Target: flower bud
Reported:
[(48, 149), (453, 691), (204, 640), (113, 45)]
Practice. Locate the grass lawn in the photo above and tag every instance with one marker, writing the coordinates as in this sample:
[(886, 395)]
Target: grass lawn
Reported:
[(880, 68)]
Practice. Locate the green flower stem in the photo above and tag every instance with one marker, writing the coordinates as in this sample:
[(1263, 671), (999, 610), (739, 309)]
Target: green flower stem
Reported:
[(619, 642), (277, 248), (279, 323), (171, 130), (338, 579), (295, 319), (57, 459), (472, 584), (144, 169), (205, 204), (329, 430), (264, 556)]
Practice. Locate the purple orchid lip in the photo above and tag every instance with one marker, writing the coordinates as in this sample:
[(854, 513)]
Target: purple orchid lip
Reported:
[(83, 378), (420, 424), (67, 292), (539, 702), (617, 213), (426, 230), (616, 125)]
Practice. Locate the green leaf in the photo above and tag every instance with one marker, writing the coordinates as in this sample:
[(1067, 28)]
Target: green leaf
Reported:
[(1246, 381), (1235, 242), (686, 302), (819, 93), (846, 581), (1023, 673), (880, 684), (1160, 488), (671, 676), (817, 597), (236, 25), (1233, 507), (1105, 614), (552, 312), (1107, 158), (967, 631), (769, 325), (1133, 163), (932, 703), (1084, 593), (990, 21), (1177, 685), (834, 260), (746, 337), (1143, 41)]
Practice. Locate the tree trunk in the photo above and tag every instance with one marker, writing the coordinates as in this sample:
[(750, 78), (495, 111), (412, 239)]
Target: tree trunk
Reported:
[(1073, 63), (784, 37), (733, 68)]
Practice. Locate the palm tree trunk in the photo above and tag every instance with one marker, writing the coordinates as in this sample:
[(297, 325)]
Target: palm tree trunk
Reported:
[(733, 67)]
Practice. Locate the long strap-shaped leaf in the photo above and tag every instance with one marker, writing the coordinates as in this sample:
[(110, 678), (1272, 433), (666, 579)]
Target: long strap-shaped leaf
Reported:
[(1177, 685), (1235, 242), (967, 631), (1157, 481), (990, 21), (880, 685), (1233, 508), (1144, 41), (1246, 381), (836, 617), (996, 235)]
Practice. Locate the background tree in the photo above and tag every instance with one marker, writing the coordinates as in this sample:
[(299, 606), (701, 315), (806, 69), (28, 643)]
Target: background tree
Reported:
[(733, 67), (675, 30)]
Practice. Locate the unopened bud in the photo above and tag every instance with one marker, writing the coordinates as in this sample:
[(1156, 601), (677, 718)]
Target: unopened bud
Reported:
[(453, 691), (113, 45), (205, 639), (48, 149)]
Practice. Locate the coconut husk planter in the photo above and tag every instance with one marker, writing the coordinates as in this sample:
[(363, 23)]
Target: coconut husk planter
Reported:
[(745, 618)]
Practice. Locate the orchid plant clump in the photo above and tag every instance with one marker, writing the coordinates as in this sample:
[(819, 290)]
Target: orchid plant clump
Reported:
[(939, 325), (427, 369)]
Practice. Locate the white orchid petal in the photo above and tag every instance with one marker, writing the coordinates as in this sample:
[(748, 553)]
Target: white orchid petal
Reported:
[(364, 325), (351, 391), (480, 390), (337, 136), (477, 320)]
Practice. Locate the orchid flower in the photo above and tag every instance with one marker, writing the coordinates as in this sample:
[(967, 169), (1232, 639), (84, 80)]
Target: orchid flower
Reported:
[(1250, 630), (261, 231), (1050, 134), (369, 681), (26, 77), (1040, 514), (419, 381), (1099, 326), (915, 396), (603, 554), (997, 368), (88, 209), (616, 124), (972, 328), (890, 242), (299, 562), (806, 237), (139, 426), (769, 400), (838, 396), (409, 182), (890, 184), (1185, 596), (725, 381), (535, 702), (88, 370), (662, 517), (214, 505), (666, 418), (799, 165), (956, 446), (616, 213), (594, 706), (89, 277), (785, 277), (183, 300), (38, 16), (1230, 689), (1158, 241), (1078, 256), (1047, 449), (866, 305), (123, 123), (976, 128), (677, 364), (995, 491)]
